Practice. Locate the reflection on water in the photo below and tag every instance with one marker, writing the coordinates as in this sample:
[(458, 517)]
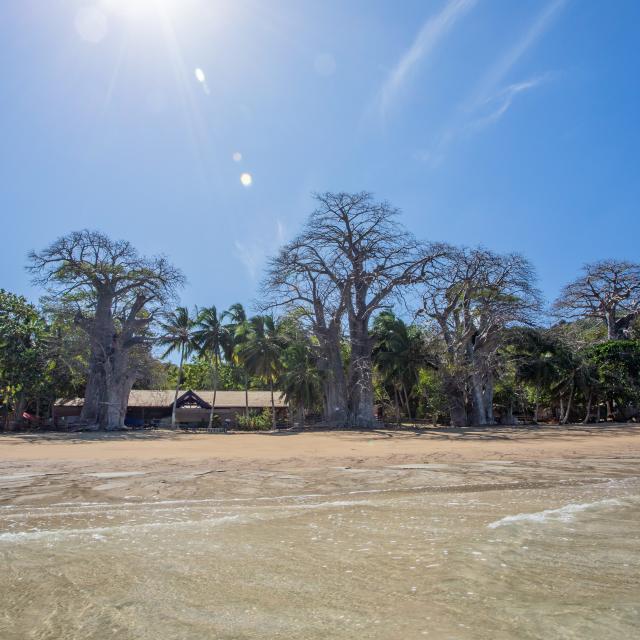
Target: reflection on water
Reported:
[(461, 551)]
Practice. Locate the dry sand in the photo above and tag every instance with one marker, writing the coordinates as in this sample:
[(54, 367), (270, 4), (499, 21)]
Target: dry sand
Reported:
[(49, 467), (368, 448)]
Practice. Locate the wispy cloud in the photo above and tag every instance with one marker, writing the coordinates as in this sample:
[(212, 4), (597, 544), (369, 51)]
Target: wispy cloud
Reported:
[(253, 253), (496, 75), (251, 256), (430, 35), (497, 105), (491, 99)]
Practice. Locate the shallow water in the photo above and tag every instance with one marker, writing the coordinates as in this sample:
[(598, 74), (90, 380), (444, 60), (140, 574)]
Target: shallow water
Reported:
[(477, 551)]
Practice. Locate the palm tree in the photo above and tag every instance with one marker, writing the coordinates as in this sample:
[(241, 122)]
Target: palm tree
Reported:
[(177, 335), (237, 330), (211, 338), (398, 355), (548, 364), (300, 380), (259, 351)]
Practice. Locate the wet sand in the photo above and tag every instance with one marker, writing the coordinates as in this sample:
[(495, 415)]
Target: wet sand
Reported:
[(473, 534)]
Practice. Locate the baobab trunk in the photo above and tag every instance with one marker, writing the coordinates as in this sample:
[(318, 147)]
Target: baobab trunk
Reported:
[(361, 375), (110, 378), (101, 332), (478, 398), (334, 382), (118, 382), (456, 400), (457, 412)]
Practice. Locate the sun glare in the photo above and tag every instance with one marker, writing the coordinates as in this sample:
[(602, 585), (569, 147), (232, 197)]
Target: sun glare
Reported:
[(140, 9), (246, 179)]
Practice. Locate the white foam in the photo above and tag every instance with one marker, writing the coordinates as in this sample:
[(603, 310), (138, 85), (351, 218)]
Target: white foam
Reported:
[(60, 534), (562, 514), (115, 474), (334, 503)]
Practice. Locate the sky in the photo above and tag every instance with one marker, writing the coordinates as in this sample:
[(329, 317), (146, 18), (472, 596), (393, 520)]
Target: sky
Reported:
[(200, 128)]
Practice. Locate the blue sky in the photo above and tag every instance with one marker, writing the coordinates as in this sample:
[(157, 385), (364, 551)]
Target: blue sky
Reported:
[(508, 124)]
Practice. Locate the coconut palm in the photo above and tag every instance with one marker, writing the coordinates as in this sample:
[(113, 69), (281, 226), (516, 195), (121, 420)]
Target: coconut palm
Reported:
[(237, 330), (211, 338), (177, 335), (259, 351), (398, 356), (300, 381), (540, 362)]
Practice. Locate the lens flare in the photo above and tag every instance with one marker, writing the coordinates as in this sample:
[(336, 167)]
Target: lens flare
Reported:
[(246, 179), (91, 24)]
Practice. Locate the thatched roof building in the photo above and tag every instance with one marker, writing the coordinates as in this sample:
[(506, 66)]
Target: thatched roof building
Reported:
[(192, 406)]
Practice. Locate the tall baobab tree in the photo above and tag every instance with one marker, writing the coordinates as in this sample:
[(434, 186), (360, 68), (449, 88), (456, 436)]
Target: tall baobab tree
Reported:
[(116, 295), (608, 290), (299, 282), (353, 252)]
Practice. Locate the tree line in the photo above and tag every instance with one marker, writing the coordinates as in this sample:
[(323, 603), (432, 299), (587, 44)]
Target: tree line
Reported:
[(356, 315)]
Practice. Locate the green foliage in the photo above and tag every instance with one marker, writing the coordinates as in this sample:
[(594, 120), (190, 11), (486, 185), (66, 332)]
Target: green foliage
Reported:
[(177, 333), (261, 347), (399, 355), (617, 367), (198, 374), (300, 380), (433, 399), (22, 349), (255, 421)]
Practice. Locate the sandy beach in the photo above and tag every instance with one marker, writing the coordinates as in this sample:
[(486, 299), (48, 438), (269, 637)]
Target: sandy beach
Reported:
[(39, 467), (472, 534), (360, 447)]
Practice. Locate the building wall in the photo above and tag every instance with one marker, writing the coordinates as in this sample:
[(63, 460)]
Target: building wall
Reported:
[(137, 416)]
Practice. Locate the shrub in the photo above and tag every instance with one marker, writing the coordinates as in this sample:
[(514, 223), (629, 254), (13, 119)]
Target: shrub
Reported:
[(256, 421)]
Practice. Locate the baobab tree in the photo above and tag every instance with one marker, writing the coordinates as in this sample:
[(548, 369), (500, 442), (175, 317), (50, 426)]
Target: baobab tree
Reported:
[(116, 295), (354, 254), (298, 281), (471, 296), (608, 290)]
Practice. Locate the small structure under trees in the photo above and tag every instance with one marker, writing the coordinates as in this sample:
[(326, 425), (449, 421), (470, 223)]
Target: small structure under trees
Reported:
[(146, 405)]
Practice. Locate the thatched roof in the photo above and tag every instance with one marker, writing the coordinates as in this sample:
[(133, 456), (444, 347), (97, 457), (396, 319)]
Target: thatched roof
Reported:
[(224, 399)]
